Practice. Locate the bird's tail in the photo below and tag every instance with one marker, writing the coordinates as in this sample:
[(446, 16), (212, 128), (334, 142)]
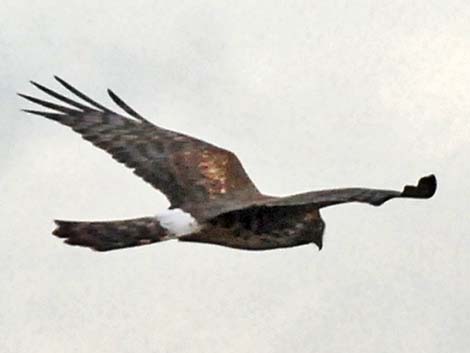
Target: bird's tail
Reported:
[(104, 236)]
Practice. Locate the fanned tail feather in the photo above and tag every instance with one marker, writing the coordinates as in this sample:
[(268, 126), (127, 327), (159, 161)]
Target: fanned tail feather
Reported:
[(104, 236)]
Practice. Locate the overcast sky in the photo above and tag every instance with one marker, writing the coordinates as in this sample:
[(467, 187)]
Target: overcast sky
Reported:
[(310, 95)]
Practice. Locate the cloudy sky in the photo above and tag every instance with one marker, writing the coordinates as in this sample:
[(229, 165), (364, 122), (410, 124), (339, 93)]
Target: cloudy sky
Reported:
[(310, 95)]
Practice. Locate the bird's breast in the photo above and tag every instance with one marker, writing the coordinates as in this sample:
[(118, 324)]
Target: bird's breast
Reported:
[(262, 228)]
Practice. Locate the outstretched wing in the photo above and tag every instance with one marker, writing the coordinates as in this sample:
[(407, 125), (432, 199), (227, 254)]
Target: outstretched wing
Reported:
[(425, 189), (190, 172)]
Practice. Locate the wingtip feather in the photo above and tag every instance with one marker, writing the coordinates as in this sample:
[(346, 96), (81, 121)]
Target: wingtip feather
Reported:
[(425, 189), (57, 78), (22, 95), (124, 106)]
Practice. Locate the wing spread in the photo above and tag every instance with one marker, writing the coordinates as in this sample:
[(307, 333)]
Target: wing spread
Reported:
[(190, 172), (425, 189)]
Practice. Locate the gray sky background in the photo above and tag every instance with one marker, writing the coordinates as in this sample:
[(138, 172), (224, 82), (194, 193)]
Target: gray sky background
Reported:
[(310, 95)]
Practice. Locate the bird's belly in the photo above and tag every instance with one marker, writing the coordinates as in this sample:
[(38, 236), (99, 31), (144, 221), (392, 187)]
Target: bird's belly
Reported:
[(262, 233)]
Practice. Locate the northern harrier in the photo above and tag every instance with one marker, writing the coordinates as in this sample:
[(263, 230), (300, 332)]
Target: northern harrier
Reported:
[(212, 199)]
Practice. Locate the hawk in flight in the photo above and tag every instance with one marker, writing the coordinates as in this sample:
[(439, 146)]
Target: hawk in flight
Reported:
[(212, 199)]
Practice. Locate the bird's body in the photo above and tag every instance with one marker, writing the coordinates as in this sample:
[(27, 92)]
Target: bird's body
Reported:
[(212, 198), (262, 228)]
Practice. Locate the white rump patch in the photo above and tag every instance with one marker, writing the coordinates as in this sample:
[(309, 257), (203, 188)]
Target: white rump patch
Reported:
[(177, 222)]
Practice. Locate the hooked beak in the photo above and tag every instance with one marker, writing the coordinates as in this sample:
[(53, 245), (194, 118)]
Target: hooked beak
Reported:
[(319, 243)]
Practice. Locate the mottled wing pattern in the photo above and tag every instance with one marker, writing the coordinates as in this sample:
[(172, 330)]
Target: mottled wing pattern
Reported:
[(190, 172), (425, 189)]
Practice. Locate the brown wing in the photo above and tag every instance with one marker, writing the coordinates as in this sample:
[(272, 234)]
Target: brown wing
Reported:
[(425, 189), (190, 172)]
